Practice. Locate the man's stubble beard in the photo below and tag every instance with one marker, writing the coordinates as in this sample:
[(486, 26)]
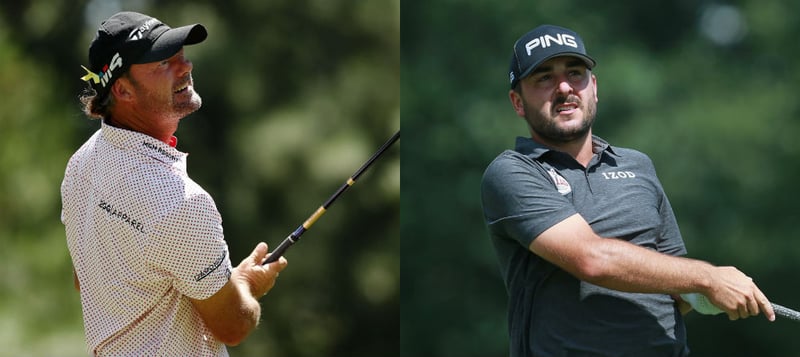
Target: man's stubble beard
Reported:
[(548, 129), (186, 108)]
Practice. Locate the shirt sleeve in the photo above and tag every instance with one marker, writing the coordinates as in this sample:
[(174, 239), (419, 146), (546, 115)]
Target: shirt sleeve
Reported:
[(189, 244), (519, 199), (671, 241)]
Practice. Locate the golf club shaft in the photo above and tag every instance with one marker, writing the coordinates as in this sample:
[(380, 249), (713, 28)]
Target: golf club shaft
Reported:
[(295, 236)]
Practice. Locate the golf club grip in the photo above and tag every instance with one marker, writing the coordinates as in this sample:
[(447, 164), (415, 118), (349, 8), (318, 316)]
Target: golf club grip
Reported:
[(278, 252), (786, 312)]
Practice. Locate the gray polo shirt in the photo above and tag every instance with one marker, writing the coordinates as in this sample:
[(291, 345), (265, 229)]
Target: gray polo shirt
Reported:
[(550, 312)]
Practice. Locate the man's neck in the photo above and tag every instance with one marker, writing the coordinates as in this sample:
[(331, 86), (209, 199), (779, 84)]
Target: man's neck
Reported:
[(581, 149), (161, 130)]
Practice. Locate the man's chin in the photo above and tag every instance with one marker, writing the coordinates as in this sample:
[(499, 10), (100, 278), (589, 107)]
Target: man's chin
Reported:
[(189, 107), (563, 136)]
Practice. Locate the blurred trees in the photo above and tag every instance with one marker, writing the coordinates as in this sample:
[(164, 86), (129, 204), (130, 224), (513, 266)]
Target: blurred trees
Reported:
[(296, 95), (704, 88)]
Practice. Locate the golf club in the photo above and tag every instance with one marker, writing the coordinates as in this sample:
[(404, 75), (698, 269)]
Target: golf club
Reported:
[(702, 305), (295, 236)]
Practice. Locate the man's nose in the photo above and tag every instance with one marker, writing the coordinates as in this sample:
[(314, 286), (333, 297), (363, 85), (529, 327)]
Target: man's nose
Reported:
[(186, 64), (563, 86)]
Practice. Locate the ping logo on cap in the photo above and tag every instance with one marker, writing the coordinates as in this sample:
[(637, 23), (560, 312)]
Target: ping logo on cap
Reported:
[(547, 41), (106, 74)]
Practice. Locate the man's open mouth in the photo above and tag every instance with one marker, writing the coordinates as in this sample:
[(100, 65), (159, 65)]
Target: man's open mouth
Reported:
[(182, 88), (566, 107)]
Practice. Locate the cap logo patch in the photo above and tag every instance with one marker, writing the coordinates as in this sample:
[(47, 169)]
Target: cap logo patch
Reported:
[(108, 69), (138, 34), (547, 41), (106, 74)]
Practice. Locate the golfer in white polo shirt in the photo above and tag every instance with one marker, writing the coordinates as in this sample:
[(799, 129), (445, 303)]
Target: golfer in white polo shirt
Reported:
[(146, 241)]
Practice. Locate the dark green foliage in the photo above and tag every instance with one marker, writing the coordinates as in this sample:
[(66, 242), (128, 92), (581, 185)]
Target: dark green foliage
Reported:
[(719, 120), (296, 96)]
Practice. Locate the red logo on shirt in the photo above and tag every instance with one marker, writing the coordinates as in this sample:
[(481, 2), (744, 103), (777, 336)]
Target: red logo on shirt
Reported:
[(562, 185)]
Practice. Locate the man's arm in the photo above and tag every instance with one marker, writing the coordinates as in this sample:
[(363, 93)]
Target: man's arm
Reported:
[(616, 264), (233, 311)]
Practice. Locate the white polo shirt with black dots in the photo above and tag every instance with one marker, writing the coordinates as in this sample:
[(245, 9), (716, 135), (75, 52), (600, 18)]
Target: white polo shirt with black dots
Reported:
[(143, 237)]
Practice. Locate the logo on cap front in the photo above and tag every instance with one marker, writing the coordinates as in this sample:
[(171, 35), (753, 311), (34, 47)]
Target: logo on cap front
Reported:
[(546, 41), (138, 34)]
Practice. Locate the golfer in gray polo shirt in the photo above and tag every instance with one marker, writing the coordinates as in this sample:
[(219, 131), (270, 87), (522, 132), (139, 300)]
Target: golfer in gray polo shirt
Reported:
[(588, 245)]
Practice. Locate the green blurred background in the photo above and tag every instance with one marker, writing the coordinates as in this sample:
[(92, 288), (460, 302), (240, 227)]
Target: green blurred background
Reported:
[(296, 96), (706, 88)]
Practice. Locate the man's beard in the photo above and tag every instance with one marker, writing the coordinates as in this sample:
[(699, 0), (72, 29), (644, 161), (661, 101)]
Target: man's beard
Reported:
[(182, 109), (169, 108), (548, 129)]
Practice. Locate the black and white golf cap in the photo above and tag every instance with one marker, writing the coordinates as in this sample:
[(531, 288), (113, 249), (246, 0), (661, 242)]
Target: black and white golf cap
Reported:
[(128, 38), (541, 44)]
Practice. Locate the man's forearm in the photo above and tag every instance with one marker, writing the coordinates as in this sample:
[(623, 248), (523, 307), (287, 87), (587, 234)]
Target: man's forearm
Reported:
[(626, 267), (250, 308), (616, 264), (232, 313), (620, 265)]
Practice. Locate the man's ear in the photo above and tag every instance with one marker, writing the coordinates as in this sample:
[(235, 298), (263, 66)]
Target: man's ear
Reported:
[(122, 89), (516, 102)]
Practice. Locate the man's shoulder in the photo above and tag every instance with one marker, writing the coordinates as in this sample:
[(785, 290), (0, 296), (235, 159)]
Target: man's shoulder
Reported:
[(509, 157), (511, 167), (504, 162), (85, 148), (631, 154)]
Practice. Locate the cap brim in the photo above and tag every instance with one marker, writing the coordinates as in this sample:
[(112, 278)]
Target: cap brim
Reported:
[(586, 59), (172, 40)]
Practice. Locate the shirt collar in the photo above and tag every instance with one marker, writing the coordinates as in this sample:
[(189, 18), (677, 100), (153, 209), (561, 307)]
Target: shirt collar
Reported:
[(145, 144), (534, 149)]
